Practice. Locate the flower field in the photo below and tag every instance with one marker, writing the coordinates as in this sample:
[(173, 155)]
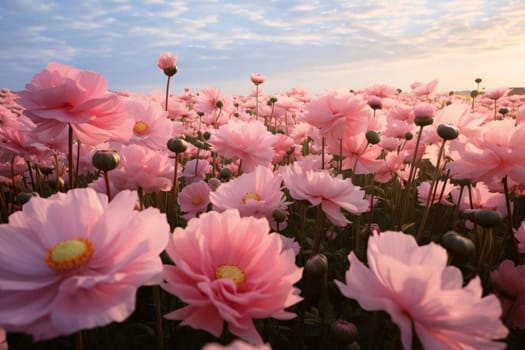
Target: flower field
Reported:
[(370, 219)]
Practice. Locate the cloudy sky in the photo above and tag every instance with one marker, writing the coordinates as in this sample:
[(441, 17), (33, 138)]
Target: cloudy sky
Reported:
[(315, 45)]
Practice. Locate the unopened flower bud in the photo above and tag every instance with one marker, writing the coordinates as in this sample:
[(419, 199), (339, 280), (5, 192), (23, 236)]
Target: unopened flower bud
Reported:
[(214, 183), (460, 248), (477, 80), (372, 137), (219, 104), (503, 110), (316, 265), (447, 131), (485, 218), (225, 174), (171, 71), (177, 145), (279, 215), (24, 197), (343, 332), (105, 160), (474, 93), (409, 136)]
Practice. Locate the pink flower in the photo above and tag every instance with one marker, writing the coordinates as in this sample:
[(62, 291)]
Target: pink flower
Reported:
[(3, 340), (257, 78), (496, 94), (321, 188), (333, 114), (257, 194), (196, 170), (482, 198), (71, 262), (508, 282), (424, 187), (249, 142), (61, 95), (194, 199), (424, 110), (166, 60), (222, 272), (151, 126), (236, 345), (420, 89), (419, 291), (140, 167)]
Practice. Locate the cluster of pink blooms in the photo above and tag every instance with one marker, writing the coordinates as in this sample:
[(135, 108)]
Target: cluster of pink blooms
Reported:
[(75, 259)]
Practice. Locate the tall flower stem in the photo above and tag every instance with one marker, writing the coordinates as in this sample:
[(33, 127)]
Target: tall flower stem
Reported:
[(33, 185), (318, 234), (510, 230), (79, 342), (256, 101), (158, 318), (108, 188), (175, 190), (167, 92), (431, 194), (70, 157)]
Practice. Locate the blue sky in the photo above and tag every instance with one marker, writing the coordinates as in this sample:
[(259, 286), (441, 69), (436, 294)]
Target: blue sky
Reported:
[(315, 45)]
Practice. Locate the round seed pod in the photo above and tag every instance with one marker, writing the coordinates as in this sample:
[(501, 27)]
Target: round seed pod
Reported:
[(24, 197), (372, 137), (447, 131), (225, 174), (461, 249), (343, 332), (105, 160), (177, 145), (316, 265), (485, 218)]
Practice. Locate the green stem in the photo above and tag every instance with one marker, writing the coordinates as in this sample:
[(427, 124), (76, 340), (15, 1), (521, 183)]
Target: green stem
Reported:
[(510, 230), (318, 228), (167, 93), (158, 318), (108, 188), (70, 157)]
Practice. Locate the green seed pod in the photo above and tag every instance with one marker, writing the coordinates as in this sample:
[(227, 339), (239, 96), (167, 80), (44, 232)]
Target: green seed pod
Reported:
[(225, 174), (316, 265), (372, 137), (447, 131), (343, 332), (460, 248), (177, 145), (105, 160), (24, 197), (485, 218)]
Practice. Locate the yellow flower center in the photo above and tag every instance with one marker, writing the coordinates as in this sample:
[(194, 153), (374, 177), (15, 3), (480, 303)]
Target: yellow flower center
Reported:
[(69, 254), (250, 195), (196, 200), (232, 272), (140, 128)]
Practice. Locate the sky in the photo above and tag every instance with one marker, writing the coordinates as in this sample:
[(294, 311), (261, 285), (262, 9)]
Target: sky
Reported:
[(318, 46)]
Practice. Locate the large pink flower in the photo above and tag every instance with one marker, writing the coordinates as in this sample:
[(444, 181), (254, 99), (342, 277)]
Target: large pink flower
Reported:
[(416, 287), (249, 142), (508, 282), (257, 193), (74, 261), (222, 271), (62, 95), (321, 188), (333, 114)]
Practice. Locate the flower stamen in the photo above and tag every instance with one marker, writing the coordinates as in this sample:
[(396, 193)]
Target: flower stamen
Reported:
[(69, 255)]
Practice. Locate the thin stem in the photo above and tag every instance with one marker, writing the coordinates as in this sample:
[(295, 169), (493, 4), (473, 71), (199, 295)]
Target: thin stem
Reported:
[(322, 152), (175, 189), (318, 227), (70, 157), (509, 220), (79, 343), (108, 188), (158, 318), (31, 175), (77, 162), (257, 101), (431, 192), (167, 92)]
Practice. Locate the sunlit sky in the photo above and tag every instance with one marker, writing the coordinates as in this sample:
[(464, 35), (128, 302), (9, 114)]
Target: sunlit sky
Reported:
[(315, 45)]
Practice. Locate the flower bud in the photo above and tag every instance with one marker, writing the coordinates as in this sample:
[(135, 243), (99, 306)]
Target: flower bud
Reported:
[(460, 248), (503, 110), (105, 160), (485, 218), (257, 78), (409, 136), (423, 113), (279, 215), (225, 174), (343, 332), (214, 183), (474, 93), (372, 137), (177, 145), (447, 131), (171, 71), (24, 197), (316, 265)]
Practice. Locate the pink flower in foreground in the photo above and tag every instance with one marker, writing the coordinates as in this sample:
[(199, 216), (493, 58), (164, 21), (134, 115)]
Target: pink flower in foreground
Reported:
[(257, 193), (61, 95), (416, 287), (166, 61), (222, 272), (508, 282), (321, 188), (71, 261), (249, 142), (236, 345)]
